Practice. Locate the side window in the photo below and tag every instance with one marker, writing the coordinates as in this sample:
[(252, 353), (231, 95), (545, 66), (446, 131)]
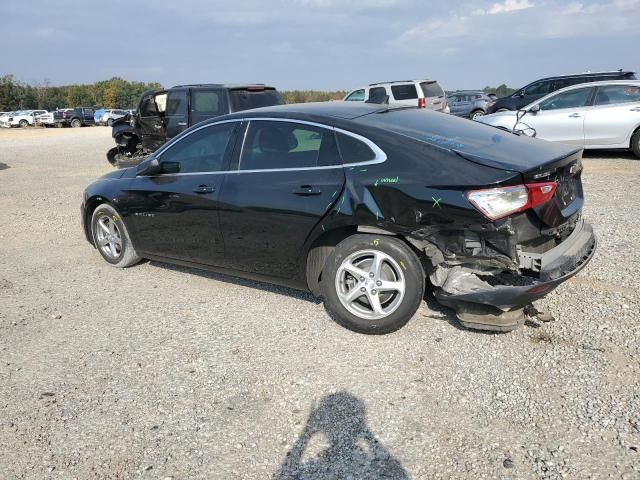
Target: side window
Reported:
[(356, 96), (353, 150), (377, 95), (202, 151), (404, 92), (612, 94), (206, 101), (539, 88), (571, 99), (177, 103), (454, 98), (271, 144)]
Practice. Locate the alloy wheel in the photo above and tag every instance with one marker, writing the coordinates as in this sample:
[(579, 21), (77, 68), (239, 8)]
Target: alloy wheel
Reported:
[(370, 284), (477, 115), (108, 237)]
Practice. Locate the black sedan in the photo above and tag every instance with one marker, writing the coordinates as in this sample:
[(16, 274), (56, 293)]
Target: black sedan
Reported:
[(359, 204)]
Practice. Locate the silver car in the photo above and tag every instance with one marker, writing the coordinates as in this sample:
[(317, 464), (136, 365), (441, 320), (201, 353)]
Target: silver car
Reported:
[(598, 115), (471, 104)]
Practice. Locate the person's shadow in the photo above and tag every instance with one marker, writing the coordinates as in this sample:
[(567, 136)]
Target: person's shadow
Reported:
[(350, 449)]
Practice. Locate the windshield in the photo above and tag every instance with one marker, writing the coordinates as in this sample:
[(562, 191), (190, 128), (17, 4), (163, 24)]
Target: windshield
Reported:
[(248, 99)]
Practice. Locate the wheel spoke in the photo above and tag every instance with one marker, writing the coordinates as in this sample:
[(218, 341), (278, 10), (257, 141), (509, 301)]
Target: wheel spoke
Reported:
[(103, 241), (376, 265), (391, 286), (112, 247), (374, 302), (112, 228), (352, 294), (104, 227), (355, 271)]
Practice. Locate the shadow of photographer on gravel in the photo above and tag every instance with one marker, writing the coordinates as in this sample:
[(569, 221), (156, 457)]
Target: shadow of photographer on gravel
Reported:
[(350, 448)]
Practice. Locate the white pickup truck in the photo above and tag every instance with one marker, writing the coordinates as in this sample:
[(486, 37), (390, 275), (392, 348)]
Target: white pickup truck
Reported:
[(22, 118)]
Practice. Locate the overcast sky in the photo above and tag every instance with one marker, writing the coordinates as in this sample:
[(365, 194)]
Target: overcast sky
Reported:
[(316, 44)]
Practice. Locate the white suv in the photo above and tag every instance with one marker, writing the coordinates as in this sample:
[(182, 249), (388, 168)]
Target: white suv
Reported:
[(418, 93)]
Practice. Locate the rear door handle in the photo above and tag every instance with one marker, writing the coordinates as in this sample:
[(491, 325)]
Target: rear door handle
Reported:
[(204, 189), (575, 115), (307, 190)]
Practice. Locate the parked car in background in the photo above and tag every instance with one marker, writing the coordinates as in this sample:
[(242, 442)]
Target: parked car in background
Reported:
[(471, 104), (76, 117), (492, 96), (163, 114), (97, 115), (416, 93), (21, 118), (598, 115), (48, 119), (351, 201), (545, 86), (108, 116)]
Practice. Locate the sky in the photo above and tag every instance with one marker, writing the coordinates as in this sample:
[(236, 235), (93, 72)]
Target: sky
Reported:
[(316, 44)]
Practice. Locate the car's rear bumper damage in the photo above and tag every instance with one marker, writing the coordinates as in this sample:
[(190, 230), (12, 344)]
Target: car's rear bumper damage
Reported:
[(495, 299)]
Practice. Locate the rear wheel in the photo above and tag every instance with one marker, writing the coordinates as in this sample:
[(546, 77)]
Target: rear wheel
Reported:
[(110, 122), (372, 284), (477, 114), (635, 143), (23, 124), (111, 238), (76, 123)]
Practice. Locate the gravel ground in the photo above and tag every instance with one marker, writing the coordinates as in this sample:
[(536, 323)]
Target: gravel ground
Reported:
[(165, 372)]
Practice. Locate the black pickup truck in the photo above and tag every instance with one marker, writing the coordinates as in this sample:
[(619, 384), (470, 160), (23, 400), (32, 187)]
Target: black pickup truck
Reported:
[(163, 114), (77, 117)]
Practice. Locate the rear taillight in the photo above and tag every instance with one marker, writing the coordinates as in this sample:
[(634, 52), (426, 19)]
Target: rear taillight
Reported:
[(422, 103), (496, 203)]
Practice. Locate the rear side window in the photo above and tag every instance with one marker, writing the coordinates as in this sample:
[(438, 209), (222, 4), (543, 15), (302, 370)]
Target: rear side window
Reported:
[(278, 145), (404, 92), (244, 99), (612, 94), (377, 94), (353, 150), (539, 88), (431, 89)]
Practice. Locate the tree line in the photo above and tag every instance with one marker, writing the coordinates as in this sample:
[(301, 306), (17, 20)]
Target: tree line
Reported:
[(119, 93)]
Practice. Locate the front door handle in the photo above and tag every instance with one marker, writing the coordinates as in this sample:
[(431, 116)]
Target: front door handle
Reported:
[(182, 124), (575, 115), (307, 190), (204, 189)]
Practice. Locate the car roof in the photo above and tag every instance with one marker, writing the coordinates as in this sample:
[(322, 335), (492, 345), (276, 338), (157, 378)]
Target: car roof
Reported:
[(226, 85), (317, 110), (586, 74), (402, 81)]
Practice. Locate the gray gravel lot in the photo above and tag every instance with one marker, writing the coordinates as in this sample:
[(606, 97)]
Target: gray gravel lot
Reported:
[(165, 372)]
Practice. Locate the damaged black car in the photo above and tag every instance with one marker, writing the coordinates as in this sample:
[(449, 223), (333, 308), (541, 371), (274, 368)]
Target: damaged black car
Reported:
[(366, 206)]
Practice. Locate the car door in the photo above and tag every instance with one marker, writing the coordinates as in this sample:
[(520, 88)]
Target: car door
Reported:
[(561, 116), (463, 105), (288, 176), (614, 116), (177, 110), (174, 213), (151, 119), (355, 96)]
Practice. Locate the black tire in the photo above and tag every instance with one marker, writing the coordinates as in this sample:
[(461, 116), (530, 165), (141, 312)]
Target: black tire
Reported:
[(23, 124), (126, 256), (635, 143), (476, 114), (412, 274), (110, 122), (76, 123)]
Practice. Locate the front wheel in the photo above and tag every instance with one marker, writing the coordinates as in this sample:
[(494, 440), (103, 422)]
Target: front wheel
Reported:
[(111, 238), (23, 124), (477, 115), (635, 144), (372, 284)]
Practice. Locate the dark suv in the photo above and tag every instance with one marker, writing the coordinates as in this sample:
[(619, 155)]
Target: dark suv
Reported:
[(163, 114), (545, 86)]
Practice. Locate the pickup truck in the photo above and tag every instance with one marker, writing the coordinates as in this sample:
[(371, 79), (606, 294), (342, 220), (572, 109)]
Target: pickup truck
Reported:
[(22, 118), (77, 117), (163, 114)]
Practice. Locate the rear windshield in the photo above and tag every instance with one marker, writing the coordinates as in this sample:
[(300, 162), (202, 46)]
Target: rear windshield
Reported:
[(431, 89), (247, 99), (404, 92)]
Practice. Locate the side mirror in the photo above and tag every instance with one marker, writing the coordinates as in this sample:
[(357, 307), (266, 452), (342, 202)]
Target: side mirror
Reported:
[(535, 109), (149, 168)]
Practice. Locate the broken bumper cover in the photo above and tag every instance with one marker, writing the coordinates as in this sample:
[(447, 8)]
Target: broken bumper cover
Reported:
[(558, 265)]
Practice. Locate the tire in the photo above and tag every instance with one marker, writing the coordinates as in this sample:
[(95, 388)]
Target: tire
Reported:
[(635, 143), (110, 122), (111, 238), (477, 115), (400, 266), (23, 124), (76, 123)]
